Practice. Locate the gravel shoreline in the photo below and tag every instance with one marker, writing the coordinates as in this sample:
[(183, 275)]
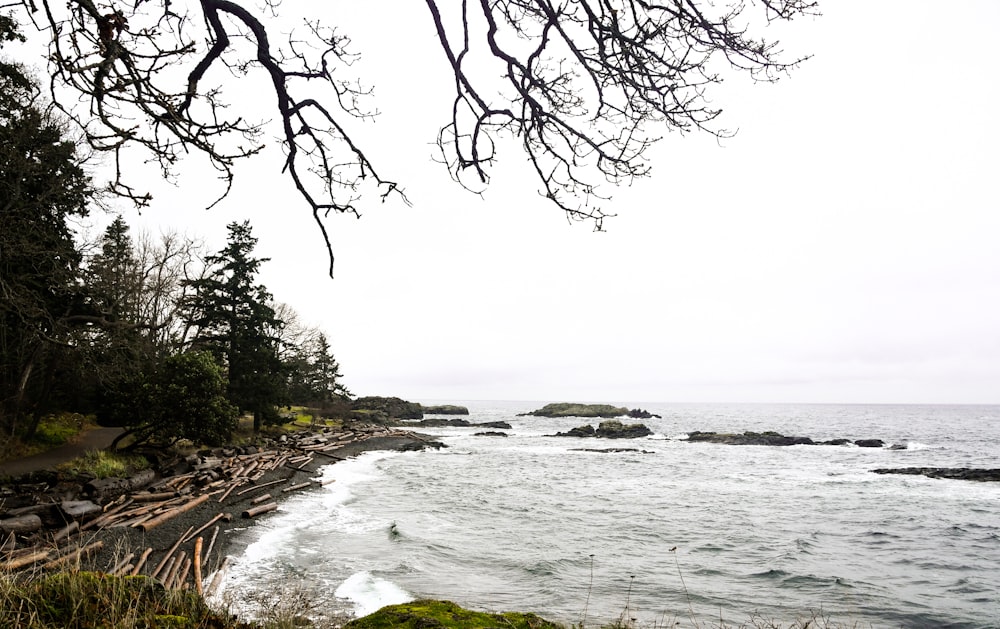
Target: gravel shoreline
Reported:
[(120, 541)]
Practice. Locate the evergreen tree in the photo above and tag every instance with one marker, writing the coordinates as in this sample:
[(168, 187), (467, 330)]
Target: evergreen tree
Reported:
[(113, 274), (233, 319), (42, 186), (313, 373)]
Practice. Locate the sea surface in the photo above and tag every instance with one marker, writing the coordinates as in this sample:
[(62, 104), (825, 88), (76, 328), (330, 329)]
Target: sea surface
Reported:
[(681, 532)]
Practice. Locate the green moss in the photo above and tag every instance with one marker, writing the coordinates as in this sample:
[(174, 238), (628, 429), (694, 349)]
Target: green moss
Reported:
[(429, 614)]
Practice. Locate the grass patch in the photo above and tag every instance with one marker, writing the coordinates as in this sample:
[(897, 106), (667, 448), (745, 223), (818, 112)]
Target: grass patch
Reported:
[(91, 600), (52, 432), (104, 464)]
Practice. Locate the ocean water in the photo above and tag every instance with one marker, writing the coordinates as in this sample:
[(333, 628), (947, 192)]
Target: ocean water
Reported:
[(676, 532)]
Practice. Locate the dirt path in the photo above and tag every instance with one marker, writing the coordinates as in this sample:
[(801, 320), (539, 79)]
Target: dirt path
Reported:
[(92, 439)]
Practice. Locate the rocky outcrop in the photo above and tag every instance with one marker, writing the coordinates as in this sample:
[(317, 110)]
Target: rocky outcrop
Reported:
[(437, 422), (567, 409), (610, 429), (612, 450), (775, 439), (579, 431), (372, 407), (640, 413), (748, 439), (953, 473), (445, 409), (489, 433)]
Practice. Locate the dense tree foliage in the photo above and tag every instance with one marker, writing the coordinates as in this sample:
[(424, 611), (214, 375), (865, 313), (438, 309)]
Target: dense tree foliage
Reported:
[(183, 397), (42, 188), (102, 332), (584, 87)]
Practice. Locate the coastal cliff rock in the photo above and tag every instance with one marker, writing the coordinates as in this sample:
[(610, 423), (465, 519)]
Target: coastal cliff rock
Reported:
[(388, 407), (568, 409), (445, 409), (610, 429), (952, 473)]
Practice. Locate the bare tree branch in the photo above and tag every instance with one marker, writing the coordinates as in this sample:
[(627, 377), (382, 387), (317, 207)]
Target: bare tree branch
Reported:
[(586, 87)]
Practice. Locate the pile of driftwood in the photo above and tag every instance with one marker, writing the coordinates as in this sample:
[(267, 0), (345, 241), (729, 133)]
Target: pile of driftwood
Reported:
[(51, 533)]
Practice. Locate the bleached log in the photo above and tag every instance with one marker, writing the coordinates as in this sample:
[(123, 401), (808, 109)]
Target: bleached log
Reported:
[(142, 561), (120, 566), (297, 487), (167, 570), (176, 511), (233, 485), (75, 555), (211, 544), (204, 526), (255, 511), (261, 486), (197, 565), (25, 560), (157, 497), (109, 516), (217, 579), (66, 531), (182, 574), (166, 557), (260, 499)]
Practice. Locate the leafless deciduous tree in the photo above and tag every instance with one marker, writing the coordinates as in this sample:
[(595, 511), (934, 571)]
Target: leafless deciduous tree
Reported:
[(585, 86)]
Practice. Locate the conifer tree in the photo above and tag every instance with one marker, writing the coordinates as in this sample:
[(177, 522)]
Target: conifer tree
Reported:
[(231, 316), (42, 186)]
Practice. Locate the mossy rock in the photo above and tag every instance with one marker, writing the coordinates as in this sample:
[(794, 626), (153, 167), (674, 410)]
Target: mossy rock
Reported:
[(392, 407), (446, 615), (568, 409), (445, 409)]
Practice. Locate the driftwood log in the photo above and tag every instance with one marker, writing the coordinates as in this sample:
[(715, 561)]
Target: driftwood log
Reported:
[(197, 565), (163, 517), (255, 511), (21, 524), (74, 556)]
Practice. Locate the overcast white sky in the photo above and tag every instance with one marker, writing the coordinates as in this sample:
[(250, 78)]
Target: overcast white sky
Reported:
[(843, 247)]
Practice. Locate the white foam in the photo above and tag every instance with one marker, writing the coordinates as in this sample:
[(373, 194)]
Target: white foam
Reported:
[(370, 593), (326, 507)]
